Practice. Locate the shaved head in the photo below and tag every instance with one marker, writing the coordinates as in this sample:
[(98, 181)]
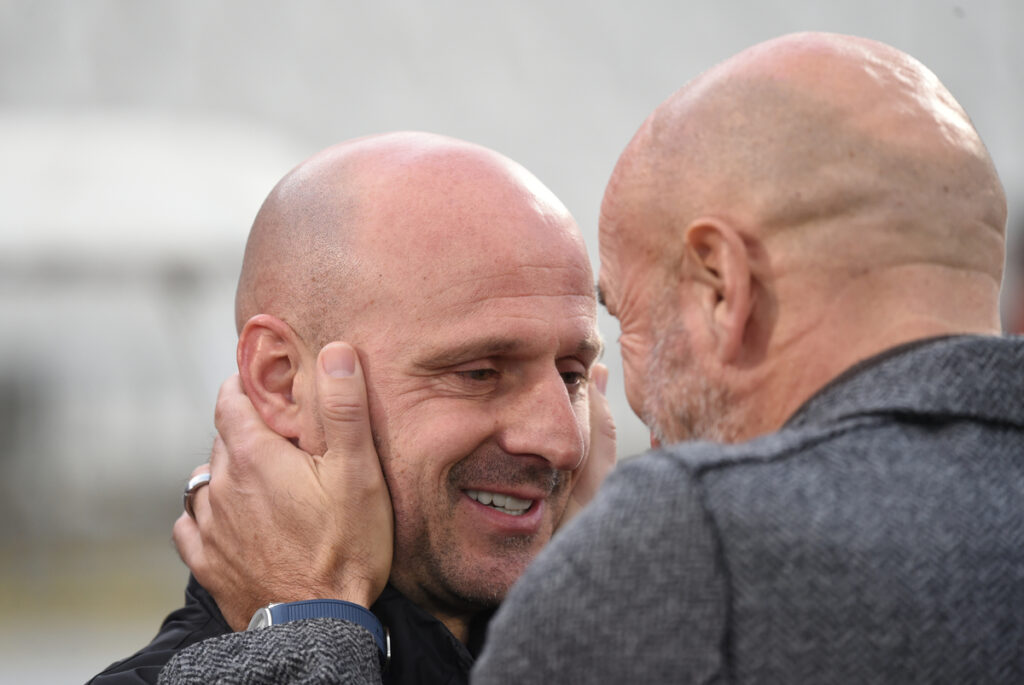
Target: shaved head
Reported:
[(334, 226), (860, 201), (828, 131)]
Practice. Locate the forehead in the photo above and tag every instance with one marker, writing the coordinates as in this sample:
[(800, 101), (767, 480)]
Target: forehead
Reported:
[(622, 231), (490, 258), (524, 298)]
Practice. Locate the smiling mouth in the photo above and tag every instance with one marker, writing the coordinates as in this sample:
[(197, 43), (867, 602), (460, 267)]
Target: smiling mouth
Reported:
[(506, 504)]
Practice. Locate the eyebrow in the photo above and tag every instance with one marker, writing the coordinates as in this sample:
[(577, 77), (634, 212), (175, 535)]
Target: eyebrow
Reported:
[(591, 346), (600, 295), (473, 349)]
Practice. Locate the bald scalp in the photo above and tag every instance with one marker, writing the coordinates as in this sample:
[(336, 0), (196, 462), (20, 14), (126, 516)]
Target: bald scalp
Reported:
[(349, 230), (833, 146), (298, 263)]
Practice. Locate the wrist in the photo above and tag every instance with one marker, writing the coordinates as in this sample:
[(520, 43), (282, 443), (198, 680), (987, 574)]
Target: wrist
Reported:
[(285, 612)]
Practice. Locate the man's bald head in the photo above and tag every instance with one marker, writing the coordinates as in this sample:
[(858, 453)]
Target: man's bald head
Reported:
[(806, 204), (332, 235), (821, 130)]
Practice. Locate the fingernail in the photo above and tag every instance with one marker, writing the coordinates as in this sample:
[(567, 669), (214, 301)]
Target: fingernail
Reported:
[(339, 360)]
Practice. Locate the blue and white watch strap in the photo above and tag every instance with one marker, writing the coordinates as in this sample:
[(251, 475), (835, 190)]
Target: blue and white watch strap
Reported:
[(275, 614)]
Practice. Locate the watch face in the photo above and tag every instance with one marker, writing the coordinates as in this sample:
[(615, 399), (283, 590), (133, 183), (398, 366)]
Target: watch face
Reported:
[(261, 619)]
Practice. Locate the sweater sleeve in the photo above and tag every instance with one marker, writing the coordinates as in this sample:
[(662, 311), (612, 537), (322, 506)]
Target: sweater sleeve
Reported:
[(630, 591), (320, 651)]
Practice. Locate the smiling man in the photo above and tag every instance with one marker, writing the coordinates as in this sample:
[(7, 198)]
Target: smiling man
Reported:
[(463, 290)]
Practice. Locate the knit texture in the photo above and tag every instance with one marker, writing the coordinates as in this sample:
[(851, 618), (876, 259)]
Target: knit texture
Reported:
[(308, 652)]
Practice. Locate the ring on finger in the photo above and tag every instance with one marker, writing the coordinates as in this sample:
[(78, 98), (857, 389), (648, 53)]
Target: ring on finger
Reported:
[(194, 483)]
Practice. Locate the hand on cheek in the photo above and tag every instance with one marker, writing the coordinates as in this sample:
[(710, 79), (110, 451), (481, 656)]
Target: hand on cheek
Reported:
[(276, 524)]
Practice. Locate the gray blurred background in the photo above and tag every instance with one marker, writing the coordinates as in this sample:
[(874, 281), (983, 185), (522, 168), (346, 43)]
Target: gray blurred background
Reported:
[(137, 141)]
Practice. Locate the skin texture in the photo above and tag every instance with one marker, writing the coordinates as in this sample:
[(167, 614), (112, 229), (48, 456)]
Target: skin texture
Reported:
[(464, 287), (802, 206)]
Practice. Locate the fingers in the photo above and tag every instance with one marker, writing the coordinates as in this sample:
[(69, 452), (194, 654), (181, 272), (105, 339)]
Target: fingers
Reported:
[(197, 496), (219, 458), (186, 528), (343, 405), (237, 421), (187, 541), (601, 453), (202, 468), (602, 425)]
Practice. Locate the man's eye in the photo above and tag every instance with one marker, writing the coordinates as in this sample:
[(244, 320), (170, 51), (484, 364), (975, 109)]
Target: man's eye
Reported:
[(573, 379), (478, 375)]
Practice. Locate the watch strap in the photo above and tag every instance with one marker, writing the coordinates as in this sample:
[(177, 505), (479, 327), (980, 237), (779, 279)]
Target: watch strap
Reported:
[(332, 608)]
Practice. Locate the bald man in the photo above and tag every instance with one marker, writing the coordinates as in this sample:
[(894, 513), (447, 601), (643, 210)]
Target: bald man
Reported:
[(803, 247), (464, 294)]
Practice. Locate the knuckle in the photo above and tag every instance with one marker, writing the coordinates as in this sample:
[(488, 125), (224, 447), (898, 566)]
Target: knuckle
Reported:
[(346, 410), (202, 468)]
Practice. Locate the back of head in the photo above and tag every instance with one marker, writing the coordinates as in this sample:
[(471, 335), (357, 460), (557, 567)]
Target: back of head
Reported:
[(869, 208), (813, 128), (833, 132)]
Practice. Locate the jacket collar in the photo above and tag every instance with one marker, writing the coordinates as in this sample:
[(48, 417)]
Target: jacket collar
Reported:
[(937, 376), (423, 650)]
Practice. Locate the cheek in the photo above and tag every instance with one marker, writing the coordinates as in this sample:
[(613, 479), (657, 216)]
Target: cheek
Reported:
[(418, 446)]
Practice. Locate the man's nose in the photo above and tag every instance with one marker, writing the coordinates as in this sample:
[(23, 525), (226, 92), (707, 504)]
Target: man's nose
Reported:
[(542, 421)]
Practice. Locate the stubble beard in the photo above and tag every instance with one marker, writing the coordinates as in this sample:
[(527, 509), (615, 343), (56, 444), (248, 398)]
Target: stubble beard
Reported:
[(429, 553), (680, 401)]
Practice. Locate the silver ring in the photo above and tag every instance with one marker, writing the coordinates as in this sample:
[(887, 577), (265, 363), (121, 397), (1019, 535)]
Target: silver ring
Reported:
[(194, 483)]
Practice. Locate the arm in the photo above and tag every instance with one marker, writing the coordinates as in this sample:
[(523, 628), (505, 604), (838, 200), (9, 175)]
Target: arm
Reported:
[(314, 651)]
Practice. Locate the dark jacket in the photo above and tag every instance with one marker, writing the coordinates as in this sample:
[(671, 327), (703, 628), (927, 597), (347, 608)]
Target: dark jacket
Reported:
[(422, 649)]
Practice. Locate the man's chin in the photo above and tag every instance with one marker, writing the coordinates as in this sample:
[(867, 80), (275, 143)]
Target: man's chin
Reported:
[(485, 584), (466, 582)]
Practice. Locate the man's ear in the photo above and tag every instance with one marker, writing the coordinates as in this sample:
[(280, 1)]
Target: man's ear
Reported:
[(718, 258), (270, 356)]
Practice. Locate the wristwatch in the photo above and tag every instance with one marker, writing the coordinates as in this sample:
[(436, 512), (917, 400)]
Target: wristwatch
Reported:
[(277, 613)]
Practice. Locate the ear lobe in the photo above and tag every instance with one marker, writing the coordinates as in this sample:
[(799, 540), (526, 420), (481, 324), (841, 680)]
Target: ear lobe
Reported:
[(720, 260), (269, 359)]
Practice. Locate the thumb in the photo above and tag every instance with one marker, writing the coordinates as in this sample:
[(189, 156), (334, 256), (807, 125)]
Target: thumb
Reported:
[(343, 407)]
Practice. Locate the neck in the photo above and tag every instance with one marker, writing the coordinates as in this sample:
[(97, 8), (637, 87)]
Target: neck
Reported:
[(835, 332), (457, 626), (456, 619)]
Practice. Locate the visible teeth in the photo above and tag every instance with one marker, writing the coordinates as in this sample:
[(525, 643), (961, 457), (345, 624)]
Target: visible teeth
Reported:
[(503, 503)]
